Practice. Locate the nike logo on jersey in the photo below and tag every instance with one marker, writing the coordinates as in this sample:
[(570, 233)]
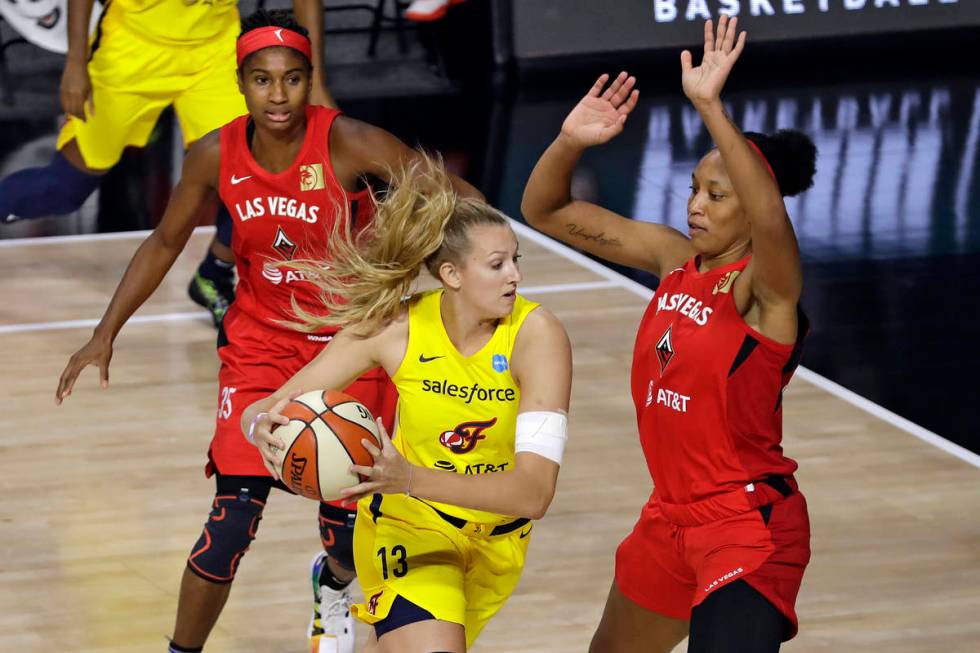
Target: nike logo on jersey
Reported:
[(525, 533), (237, 180), (424, 359)]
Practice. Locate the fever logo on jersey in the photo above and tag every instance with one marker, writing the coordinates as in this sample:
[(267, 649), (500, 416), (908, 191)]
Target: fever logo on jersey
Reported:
[(283, 245), (464, 437), (372, 605), (311, 177), (725, 284), (665, 349)]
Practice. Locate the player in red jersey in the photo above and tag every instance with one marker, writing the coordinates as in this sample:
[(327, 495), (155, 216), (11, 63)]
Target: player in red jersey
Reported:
[(286, 171), (720, 547)]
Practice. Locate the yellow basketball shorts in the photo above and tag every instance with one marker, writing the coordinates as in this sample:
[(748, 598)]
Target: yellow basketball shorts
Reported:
[(463, 575), (134, 78)]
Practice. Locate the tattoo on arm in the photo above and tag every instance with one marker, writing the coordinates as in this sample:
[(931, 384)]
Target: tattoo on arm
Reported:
[(577, 231)]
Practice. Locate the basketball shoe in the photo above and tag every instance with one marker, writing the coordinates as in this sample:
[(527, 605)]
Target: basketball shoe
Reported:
[(331, 626), (216, 297)]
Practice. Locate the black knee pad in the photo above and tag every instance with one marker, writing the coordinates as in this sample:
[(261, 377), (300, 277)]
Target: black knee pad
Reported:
[(230, 529), (337, 534)]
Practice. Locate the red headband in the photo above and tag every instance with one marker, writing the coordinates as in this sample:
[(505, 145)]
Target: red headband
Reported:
[(764, 159), (269, 37)]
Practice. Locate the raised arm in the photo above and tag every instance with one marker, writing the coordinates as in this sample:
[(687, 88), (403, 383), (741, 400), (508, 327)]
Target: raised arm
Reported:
[(309, 14), (542, 366), (548, 205), (371, 150), (775, 273), (152, 260)]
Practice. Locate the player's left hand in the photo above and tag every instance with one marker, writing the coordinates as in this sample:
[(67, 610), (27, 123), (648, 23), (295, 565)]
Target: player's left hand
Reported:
[(259, 433), (721, 51), (390, 474)]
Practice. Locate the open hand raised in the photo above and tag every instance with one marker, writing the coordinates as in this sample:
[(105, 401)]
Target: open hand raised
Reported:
[(601, 114), (721, 51)]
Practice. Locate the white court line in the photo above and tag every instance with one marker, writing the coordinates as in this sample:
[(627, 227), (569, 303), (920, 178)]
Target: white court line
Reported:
[(883, 413), (824, 383), (203, 315), (84, 324), (83, 238), (614, 279)]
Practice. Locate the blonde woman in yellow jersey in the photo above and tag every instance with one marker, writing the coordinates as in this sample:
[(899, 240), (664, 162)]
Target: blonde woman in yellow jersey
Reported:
[(483, 378)]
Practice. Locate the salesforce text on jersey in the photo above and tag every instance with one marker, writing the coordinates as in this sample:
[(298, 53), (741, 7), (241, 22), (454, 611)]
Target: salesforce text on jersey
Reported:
[(468, 393)]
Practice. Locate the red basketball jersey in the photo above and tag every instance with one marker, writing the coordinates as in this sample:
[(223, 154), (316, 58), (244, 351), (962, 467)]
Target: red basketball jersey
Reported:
[(708, 388), (284, 216)]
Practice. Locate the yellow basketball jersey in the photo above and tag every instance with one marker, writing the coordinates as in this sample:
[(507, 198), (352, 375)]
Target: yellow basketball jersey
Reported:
[(458, 413), (176, 22)]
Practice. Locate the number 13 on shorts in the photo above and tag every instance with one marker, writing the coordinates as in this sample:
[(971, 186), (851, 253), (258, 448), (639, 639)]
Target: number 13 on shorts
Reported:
[(396, 558)]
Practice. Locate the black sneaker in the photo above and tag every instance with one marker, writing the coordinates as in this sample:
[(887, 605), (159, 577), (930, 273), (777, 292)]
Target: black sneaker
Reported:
[(216, 297)]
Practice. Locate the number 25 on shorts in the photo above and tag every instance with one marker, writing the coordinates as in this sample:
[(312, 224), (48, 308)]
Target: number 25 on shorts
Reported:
[(225, 408), (398, 559)]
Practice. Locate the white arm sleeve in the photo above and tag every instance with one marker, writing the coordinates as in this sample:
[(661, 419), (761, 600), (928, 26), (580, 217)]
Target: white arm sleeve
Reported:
[(542, 432)]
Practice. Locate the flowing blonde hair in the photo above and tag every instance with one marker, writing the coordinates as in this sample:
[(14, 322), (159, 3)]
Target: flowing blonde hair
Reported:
[(420, 220)]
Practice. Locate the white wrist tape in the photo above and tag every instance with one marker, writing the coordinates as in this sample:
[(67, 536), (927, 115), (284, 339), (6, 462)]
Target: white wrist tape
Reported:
[(251, 428), (542, 432)]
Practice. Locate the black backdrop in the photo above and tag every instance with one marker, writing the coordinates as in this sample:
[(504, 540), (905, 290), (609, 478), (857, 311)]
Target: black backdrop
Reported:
[(540, 29)]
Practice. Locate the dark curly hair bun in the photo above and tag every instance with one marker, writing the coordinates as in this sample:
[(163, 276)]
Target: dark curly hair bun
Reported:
[(793, 158)]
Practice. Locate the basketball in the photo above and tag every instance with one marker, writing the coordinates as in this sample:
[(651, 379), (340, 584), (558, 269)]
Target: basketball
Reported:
[(322, 440)]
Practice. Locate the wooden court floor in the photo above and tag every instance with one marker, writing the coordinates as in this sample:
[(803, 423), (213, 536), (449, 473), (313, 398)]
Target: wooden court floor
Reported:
[(104, 496)]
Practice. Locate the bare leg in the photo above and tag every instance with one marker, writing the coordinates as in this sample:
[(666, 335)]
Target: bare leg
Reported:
[(424, 637), (371, 645), (198, 608), (627, 628)]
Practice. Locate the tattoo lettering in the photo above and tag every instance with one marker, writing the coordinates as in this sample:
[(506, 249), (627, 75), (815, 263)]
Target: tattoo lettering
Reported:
[(576, 230)]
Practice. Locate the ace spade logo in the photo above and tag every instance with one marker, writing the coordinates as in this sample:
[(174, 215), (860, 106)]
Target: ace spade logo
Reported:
[(283, 245), (665, 349)]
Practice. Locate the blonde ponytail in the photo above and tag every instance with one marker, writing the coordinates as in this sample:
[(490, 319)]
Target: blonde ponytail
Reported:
[(420, 220), (364, 278)]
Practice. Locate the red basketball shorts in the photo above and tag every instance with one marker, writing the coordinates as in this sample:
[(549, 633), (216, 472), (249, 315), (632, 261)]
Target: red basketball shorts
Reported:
[(669, 567), (255, 362)]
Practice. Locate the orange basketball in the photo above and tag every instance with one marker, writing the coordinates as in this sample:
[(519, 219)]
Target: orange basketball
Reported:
[(322, 440)]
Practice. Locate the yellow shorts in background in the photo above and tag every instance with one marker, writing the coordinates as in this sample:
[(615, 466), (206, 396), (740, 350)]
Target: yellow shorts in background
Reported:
[(403, 547), (135, 78)]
